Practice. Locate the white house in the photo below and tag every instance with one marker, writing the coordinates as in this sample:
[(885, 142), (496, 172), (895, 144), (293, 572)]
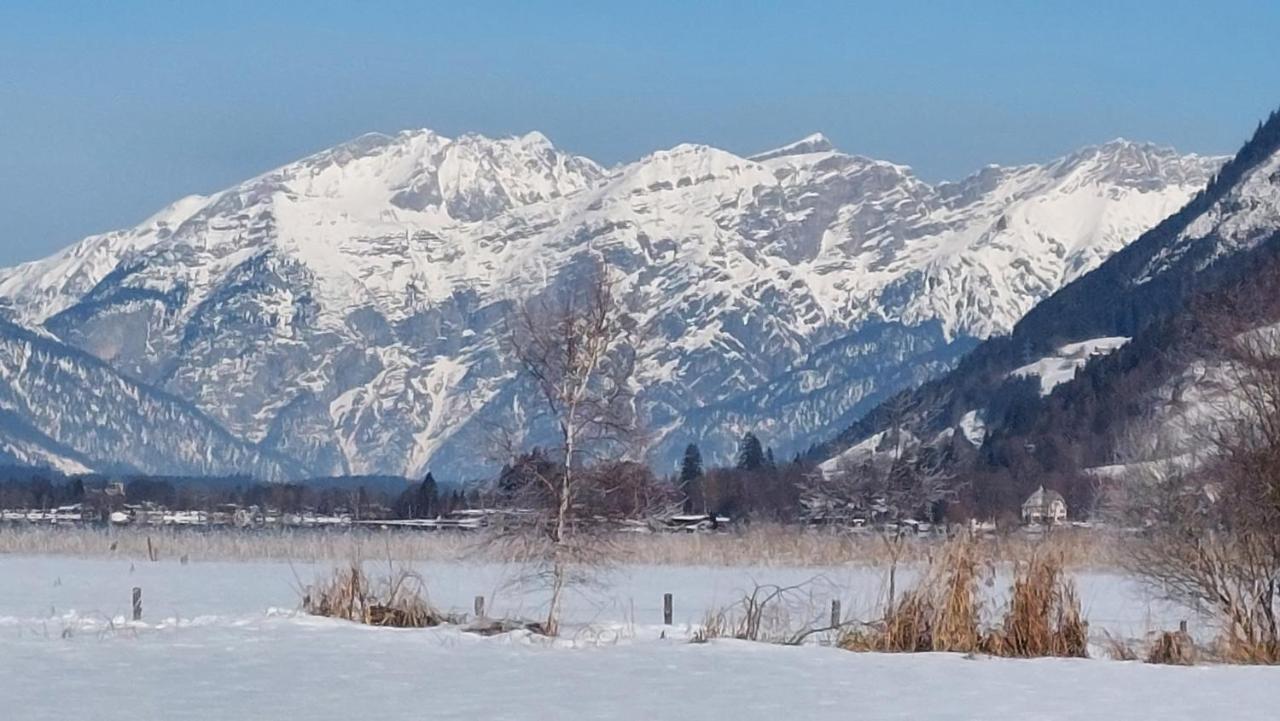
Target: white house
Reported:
[(1044, 508)]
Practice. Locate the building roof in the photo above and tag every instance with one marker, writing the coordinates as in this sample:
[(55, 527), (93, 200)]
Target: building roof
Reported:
[(1043, 498)]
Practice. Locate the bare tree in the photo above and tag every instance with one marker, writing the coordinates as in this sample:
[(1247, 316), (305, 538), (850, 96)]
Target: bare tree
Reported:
[(894, 480), (1212, 517), (577, 347)]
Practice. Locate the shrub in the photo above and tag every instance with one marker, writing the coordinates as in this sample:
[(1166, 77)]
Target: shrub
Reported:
[(395, 601)]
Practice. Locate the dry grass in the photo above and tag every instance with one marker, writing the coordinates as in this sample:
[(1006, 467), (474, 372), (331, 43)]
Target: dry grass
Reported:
[(959, 613), (760, 545), (943, 612), (768, 613), (397, 600), (171, 544), (1120, 649), (715, 624), (1170, 648), (1173, 648), (1233, 648), (1043, 617)]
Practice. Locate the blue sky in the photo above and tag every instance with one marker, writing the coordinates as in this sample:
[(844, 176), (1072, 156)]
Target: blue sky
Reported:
[(108, 111)]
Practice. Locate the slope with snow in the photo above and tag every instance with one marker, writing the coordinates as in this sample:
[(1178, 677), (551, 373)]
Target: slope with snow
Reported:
[(1156, 399), (64, 409), (1056, 369), (345, 310)]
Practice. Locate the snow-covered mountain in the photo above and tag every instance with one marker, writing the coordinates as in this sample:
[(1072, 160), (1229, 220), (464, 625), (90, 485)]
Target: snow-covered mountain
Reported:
[(345, 310), (1124, 365), (64, 409)]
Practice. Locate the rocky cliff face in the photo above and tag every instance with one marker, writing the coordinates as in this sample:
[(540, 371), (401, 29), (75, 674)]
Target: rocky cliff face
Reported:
[(1122, 365), (344, 312)]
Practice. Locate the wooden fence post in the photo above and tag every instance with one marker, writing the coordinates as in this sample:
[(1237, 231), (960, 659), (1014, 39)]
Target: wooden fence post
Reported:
[(479, 606), (137, 603), (835, 613), (666, 609)]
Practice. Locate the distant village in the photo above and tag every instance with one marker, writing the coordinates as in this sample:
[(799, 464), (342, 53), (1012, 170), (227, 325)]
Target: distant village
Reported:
[(109, 505)]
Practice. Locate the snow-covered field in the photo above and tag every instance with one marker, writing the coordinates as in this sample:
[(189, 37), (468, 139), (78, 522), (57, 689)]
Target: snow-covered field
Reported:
[(223, 640)]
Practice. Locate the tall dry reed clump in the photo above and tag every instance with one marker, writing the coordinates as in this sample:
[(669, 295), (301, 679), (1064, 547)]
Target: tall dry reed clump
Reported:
[(1173, 648), (1043, 618), (944, 611), (940, 614), (397, 600)]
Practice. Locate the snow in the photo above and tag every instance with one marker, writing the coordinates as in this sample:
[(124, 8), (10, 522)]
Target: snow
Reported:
[(1061, 367), (1245, 216), (748, 266), (1194, 404), (813, 143), (974, 427), (219, 640), (858, 452)]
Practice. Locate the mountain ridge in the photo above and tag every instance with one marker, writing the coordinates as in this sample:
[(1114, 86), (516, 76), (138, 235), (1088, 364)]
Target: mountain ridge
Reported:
[(1146, 303), (341, 310)]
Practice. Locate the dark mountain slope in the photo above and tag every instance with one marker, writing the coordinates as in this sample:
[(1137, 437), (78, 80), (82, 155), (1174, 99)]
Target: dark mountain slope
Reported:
[(1219, 251), (63, 408)]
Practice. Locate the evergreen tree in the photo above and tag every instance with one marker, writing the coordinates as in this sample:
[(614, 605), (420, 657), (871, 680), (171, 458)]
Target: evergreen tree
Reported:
[(768, 458), (691, 465), (428, 501), (750, 453), (691, 479)]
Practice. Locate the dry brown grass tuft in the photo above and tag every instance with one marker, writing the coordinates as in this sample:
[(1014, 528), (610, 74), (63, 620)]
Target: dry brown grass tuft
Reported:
[(395, 601), (715, 624), (1237, 649), (1043, 617), (940, 614), (1173, 648), (957, 618), (909, 624), (1119, 649), (943, 612)]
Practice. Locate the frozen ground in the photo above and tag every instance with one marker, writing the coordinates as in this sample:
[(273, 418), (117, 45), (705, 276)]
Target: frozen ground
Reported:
[(222, 640)]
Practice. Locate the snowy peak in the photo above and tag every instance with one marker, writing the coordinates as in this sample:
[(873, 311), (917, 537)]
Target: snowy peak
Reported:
[(43, 288), (1121, 163), (1142, 166), (687, 166), (343, 311), (468, 179), (815, 143)]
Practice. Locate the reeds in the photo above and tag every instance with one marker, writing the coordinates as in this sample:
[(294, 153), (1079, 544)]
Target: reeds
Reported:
[(761, 545), (959, 611), (1174, 648), (1235, 648), (397, 600), (1043, 617), (943, 612)]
